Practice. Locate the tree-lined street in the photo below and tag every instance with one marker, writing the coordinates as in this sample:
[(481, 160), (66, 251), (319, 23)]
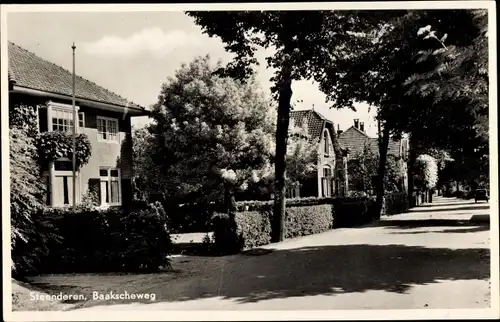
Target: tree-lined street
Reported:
[(431, 258), (290, 209)]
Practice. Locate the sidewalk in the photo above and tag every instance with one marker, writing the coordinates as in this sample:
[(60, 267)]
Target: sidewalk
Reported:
[(444, 211), (396, 266)]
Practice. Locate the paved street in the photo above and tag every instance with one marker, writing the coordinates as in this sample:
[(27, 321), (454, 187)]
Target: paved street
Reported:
[(409, 261)]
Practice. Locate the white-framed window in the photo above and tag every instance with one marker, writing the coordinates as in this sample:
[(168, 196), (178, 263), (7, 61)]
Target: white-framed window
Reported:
[(110, 186), (61, 117), (107, 129), (326, 143), (59, 192), (327, 182)]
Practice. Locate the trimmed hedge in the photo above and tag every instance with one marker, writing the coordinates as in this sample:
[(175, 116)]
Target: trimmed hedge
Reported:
[(395, 203), (92, 240), (252, 227), (308, 220), (252, 205), (350, 213)]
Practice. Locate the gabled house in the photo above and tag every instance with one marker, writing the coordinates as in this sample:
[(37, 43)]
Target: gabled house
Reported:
[(331, 175), (103, 116), (355, 140)]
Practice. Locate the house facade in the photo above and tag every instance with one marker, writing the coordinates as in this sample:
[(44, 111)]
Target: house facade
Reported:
[(104, 117), (355, 140), (330, 178)]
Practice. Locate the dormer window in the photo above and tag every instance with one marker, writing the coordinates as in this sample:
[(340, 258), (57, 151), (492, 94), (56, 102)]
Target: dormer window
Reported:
[(326, 143)]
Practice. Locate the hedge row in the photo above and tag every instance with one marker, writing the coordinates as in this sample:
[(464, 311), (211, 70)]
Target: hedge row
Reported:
[(252, 227), (395, 203), (94, 241)]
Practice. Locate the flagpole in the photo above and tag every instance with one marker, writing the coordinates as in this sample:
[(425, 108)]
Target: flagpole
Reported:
[(75, 123)]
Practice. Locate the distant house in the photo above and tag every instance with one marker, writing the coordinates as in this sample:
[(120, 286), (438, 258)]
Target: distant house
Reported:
[(103, 116), (355, 140), (331, 175)]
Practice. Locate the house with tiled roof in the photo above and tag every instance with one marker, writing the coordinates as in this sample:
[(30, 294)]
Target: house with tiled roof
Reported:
[(331, 175), (103, 117), (355, 140)]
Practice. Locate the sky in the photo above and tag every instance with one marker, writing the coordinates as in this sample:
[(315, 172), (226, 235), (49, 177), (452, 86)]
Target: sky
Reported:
[(133, 53)]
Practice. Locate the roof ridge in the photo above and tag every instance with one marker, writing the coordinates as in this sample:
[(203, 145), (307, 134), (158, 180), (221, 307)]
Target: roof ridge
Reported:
[(70, 72), (355, 128)]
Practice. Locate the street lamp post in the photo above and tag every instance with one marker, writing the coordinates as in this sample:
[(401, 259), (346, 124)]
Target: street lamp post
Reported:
[(75, 122)]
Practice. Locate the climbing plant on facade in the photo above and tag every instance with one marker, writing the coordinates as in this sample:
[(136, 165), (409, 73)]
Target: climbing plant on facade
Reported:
[(56, 145)]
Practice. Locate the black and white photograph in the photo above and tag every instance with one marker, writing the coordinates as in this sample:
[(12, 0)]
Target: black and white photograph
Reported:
[(250, 161)]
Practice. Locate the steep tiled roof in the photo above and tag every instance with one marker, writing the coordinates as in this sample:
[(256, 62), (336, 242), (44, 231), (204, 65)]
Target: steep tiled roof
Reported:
[(312, 119), (355, 140), (28, 70)]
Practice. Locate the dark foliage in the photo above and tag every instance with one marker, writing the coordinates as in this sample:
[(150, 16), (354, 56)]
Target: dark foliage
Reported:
[(395, 203), (250, 226), (110, 240), (55, 145)]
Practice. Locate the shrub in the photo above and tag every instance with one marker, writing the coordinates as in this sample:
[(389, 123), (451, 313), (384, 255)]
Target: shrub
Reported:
[(225, 238), (96, 241), (29, 251), (56, 144), (191, 218), (352, 212), (26, 188), (306, 216), (395, 203), (253, 228), (248, 229), (308, 220)]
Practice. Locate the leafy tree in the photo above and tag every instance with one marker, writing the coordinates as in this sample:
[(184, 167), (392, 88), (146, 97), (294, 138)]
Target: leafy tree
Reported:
[(377, 68), (146, 180), (302, 154), (301, 41), (363, 167), (211, 133), (26, 189), (301, 163), (453, 68), (426, 174)]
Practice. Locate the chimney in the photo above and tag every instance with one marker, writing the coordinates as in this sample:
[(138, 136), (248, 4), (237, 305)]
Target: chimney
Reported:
[(356, 123), (339, 131), (362, 126)]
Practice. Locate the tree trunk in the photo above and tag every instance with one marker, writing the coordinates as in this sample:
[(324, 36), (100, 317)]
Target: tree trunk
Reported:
[(285, 95), (412, 157), (229, 201), (384, 144)]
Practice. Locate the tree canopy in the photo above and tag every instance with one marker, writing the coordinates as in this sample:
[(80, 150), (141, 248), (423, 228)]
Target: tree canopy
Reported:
[(400, 67), (426, 174), (210, 131), (302, 42)]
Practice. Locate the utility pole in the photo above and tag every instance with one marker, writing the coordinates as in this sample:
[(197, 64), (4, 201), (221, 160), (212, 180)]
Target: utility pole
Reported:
[(75, 123)]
